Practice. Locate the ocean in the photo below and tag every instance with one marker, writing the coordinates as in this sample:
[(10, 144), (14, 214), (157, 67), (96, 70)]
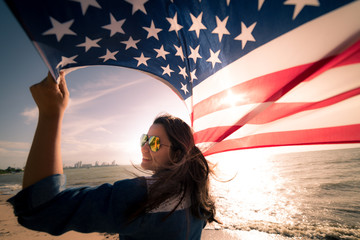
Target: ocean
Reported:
[(305, 195)]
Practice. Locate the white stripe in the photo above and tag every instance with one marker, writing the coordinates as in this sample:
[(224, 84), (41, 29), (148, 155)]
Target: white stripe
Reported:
[(331, 83), (308, 43), (225, 117), (339, 114)]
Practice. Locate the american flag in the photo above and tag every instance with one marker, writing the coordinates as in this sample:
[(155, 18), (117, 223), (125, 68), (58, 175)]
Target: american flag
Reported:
[(252, 73)]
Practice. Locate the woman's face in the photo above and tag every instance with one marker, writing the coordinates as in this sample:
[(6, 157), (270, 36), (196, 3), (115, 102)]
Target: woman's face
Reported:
[(155, 161)]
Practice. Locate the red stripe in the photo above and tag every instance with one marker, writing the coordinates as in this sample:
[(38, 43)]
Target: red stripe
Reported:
[(272, 86), (332, 135), (350, 56), (281, 110), (214, 134)]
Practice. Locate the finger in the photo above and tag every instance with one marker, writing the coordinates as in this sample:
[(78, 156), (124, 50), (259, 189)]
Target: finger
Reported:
[(62, 84)]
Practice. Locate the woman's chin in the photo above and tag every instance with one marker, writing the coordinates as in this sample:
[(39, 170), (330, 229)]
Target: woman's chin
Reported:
[(146, 165)]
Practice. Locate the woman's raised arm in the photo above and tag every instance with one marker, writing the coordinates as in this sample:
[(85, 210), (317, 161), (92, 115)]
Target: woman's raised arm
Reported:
[(45, 154)]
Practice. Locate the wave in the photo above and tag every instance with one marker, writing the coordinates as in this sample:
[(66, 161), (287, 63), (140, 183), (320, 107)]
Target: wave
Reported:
[(10, 189), (302, 231)]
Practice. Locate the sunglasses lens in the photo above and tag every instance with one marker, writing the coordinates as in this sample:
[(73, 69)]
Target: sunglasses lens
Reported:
[(143, 139), (154, 143)]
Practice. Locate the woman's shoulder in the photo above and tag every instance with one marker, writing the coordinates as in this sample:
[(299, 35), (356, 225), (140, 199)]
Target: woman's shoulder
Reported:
[(131, 188), (141, 181)]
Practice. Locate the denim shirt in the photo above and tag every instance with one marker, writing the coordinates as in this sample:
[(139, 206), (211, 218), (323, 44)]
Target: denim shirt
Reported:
[(48, 207)]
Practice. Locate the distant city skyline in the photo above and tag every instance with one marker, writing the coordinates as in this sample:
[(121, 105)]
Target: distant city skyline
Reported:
[(80, 164)]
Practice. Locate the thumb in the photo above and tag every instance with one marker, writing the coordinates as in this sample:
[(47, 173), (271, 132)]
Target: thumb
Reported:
[(49, 79)]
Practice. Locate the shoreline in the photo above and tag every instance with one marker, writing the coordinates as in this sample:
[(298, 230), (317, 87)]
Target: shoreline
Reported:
[(11, 230)]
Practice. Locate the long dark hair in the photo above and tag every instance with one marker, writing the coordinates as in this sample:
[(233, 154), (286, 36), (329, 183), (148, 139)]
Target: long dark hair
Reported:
[(187, 175)]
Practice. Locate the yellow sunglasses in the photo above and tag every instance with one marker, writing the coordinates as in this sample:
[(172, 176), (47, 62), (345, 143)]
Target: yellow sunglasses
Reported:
[(153, 141)]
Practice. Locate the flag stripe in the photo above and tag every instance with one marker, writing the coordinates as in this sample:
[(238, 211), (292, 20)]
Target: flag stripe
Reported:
[(333, 115), (333, 82), (331, 135), (280, 110)]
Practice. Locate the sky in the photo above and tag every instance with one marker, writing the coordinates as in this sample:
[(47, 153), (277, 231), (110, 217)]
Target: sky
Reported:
[(110, 107)]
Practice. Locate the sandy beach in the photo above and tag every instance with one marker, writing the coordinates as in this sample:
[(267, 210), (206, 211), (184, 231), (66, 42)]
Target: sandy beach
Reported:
[(11, 230)]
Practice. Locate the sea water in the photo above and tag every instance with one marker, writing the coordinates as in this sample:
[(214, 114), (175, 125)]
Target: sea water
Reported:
[(307, 195)]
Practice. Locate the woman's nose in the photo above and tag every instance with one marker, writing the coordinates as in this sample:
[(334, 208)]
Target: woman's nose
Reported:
[(145, 147)]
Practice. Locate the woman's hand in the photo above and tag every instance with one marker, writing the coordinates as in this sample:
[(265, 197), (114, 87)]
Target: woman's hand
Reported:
[(50, 97)]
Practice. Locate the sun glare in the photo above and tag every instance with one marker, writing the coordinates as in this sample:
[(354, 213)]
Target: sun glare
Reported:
[(255, 186), (232, 99)]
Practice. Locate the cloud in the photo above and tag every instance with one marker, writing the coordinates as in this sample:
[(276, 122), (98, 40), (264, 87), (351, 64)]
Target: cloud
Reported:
[(30, 114), (102, 129), (14, 145), (92, 91), (13, 153), (76, 125)]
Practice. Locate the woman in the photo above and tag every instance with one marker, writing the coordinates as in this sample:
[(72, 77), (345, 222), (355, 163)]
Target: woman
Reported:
[(172, 204)]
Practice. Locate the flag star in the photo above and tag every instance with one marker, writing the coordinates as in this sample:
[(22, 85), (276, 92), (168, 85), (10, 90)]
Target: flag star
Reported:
[(300, 4), (161, 52), (109, 55), (152, 31), (246, 34), (142, 60), (174, 24), (184, 88), (130, 43), (183, 72), (193, 76), (197, 25), (86, 3), (114, 26), (221, 27), (167, 70), (89, 43), (260, 4), (194, 53), (65, 61), (179, 52), (214, 58), (137, 5), (60, 29)]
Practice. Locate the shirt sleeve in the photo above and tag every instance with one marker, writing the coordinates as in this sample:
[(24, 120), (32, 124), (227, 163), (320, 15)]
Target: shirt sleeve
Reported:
[(46, 206)]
